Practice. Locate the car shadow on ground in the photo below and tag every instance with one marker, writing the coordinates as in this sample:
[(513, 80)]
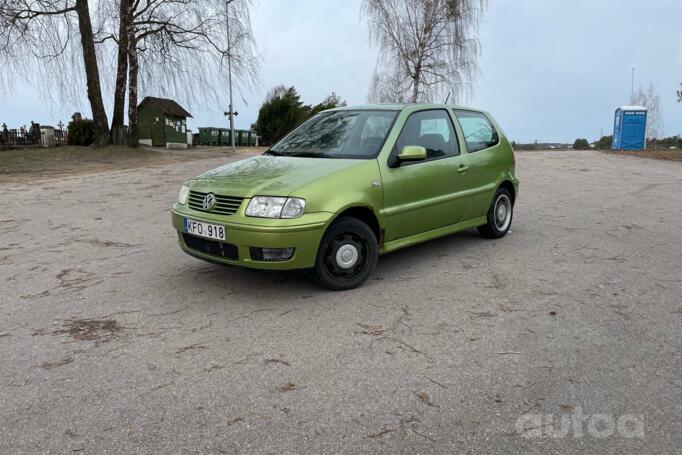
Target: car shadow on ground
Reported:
[(424, 254), (228, 279)]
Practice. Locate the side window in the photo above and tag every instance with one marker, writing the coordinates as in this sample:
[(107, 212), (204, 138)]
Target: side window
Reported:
[(479, 133), (432, 130)]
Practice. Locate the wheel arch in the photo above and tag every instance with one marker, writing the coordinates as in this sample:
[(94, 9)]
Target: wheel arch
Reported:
[(509, 186), (367, 216)]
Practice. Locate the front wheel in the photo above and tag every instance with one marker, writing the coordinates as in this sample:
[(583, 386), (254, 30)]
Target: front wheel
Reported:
[(500, 215), (347, 255)]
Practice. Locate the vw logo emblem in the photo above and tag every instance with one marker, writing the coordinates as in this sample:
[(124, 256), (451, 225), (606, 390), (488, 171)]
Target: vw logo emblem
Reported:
[(209, 201)]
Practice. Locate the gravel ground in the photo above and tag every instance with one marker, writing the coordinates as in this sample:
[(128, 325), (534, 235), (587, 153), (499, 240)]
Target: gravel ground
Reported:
[(114, 341)]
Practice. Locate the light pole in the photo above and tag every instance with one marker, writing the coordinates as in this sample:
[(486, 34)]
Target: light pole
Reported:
[(632, 90), (230, 112)]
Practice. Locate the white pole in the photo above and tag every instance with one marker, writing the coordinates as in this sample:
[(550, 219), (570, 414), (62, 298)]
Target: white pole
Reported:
[(632, 90), (229, 72)]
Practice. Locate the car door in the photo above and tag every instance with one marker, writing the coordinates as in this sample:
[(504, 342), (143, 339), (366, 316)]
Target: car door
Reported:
[(423, 195), (482, 158)]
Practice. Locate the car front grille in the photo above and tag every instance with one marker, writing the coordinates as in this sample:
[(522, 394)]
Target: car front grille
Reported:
[(224, 205), (212, 247), (271, 254)]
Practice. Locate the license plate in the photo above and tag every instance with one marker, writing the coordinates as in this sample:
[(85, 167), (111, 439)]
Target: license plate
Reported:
[(209, 231)]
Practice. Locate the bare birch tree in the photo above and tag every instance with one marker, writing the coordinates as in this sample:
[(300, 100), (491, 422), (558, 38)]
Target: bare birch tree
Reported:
[(652, 101), (43, 41), (427, 48)]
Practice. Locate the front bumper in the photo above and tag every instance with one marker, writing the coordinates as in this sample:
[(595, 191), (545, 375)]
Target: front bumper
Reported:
[(303, 234)]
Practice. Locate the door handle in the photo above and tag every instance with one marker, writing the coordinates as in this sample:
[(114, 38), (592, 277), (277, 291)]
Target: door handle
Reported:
[(462, 169)]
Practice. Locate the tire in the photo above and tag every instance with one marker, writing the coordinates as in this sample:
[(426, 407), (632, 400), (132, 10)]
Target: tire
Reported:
[(500, 215), (347, 255)]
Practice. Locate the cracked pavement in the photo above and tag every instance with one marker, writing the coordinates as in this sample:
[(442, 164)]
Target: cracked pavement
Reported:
[(114, 341)]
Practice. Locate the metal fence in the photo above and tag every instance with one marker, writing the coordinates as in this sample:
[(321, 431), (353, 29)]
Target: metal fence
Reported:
[(32, 137)]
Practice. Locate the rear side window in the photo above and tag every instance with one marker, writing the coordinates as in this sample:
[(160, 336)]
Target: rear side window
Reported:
[(479, 132), (432, 130)]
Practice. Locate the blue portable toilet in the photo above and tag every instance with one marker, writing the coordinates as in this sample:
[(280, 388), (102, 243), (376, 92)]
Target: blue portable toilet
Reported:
[(629, 128)]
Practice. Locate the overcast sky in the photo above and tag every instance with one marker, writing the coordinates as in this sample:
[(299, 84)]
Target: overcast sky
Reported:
[(551, 70)]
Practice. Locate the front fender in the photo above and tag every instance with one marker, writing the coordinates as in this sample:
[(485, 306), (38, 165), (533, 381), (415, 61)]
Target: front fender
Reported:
[(359, 186)]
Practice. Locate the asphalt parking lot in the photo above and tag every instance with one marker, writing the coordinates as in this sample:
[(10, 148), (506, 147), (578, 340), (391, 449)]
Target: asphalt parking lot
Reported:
[(114, 341)]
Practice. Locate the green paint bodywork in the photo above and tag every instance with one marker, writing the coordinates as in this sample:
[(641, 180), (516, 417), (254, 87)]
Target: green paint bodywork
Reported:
[(406, 204)]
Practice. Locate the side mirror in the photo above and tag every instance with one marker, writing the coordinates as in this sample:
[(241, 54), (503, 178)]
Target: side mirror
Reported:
[(412, 153)]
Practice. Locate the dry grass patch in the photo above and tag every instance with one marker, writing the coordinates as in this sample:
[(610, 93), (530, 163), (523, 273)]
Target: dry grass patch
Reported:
[(99, 330), (30, 164), (660, 154)]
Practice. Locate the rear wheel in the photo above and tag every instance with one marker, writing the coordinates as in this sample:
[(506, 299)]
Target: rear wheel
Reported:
[(500, 215), (347, 255)]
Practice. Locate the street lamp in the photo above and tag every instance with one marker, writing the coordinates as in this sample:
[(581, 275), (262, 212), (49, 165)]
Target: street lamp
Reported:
[(230, 113)]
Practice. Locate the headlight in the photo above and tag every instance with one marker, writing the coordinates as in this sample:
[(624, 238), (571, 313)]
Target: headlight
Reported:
[(293, 208), (266, 207), (275, 207), (184, 193)]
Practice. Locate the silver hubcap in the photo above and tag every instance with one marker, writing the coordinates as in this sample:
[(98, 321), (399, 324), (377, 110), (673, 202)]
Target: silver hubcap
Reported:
[(347, 256), (503, 210)]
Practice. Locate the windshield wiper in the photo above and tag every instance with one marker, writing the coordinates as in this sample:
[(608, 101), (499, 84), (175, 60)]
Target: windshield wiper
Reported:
[(310, 155), (297, 154)]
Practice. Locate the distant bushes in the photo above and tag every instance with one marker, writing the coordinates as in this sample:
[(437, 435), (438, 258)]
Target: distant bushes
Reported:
[(81, 132), (581, 144), (604, 143), (668, 142)]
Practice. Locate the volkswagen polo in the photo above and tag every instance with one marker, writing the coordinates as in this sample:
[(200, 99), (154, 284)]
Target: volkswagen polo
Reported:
[(348, 185)]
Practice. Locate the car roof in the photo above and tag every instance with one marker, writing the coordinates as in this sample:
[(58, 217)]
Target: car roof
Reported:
[(400, 107)]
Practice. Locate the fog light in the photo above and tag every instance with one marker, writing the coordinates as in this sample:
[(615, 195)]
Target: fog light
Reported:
[(271, 254)]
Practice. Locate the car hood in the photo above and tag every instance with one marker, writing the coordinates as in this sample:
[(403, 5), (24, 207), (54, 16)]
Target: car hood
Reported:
[(268, 175)]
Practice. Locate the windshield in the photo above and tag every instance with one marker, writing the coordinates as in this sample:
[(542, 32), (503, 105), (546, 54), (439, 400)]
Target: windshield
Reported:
[(338, 134)]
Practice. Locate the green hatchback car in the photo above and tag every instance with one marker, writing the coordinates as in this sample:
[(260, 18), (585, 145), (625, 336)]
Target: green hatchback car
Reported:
[(350, 184)]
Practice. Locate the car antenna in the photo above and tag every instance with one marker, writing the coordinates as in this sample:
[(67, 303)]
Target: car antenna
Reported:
[(447, 99)]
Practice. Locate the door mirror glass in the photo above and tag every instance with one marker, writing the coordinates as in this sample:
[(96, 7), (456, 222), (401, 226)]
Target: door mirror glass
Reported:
[(412, 153)]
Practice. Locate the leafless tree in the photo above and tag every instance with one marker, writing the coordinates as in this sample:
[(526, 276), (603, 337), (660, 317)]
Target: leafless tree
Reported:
[(427, 48), (652, 101), (387, 88), (178, 48), (43, 41), (166, 47), (112, 26), (276, 92)]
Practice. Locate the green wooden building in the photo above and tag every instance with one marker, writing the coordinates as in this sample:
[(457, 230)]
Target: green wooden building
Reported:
[(162, 122)]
